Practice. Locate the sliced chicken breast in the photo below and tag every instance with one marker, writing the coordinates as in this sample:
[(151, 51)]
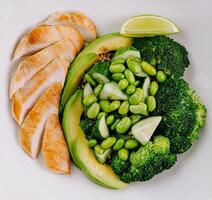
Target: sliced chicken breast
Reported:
[(24, 99), (33, 126), (54, 148), (32, 64), (43, 36), (76, 19)]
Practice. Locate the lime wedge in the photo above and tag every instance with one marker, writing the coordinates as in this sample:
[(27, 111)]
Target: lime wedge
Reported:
[(147, 26)]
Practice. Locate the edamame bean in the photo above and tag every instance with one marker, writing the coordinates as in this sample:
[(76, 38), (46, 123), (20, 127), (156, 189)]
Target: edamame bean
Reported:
[(134, 65), (151, 103), (90, 80), (123, 154), (123, 84), (93, 111), (123, 125), (149, 69), (153, 88), (98, 149), (141, 108), (129, 76), (101, 114), (113, 127), (135, 118), (92, 143), (118, 61), (108, 142), (116, 68), (131, 144), (98, 89), (137, 83), (137, 97), (110, 119), (130, 89), (124, 108), (90, 99), (119, 144), (161, 76), (105, 105), (117, 76), (115, 105)]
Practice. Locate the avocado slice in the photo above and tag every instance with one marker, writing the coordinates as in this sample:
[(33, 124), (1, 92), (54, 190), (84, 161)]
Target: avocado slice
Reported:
[(87, 58), (82, 155)]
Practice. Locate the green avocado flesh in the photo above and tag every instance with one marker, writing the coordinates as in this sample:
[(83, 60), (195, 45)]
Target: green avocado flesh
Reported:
[(82, 155), (87, 58)]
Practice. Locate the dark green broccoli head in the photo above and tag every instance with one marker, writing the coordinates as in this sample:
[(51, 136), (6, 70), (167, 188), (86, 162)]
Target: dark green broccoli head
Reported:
[(164, 53), (102, 68), (90, 128), (147, 161), (183, 114)]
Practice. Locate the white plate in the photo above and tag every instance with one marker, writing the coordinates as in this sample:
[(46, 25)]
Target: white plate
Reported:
[(22, 178)]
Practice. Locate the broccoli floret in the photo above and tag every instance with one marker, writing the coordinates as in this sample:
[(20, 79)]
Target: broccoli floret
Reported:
[(91, 128), (102, 68), (164, 53), (183, 114), (147, 161), (86, 125)]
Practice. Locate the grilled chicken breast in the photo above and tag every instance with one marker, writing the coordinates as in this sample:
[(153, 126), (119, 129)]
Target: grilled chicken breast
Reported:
[(24, 99), (32, 64), (43, 36), (75, 19), (33, 126), (54, 147)]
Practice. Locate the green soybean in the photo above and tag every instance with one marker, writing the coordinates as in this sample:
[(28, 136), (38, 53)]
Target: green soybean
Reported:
[(134, 65), (90, 99), (137, 97), (119, 144), (117, 76), (101, 114), (115, 105), (141, 108), (93, 111), (124, 108), (123, 84), (113, 127), (92, 142), (118, 61), (153, 88), (98, 149), (108, 142), (123, 154), (123, 125), (129, 76), (98, 89), (151, 103), (116, 68), (90, 80), (105, 105), (149, 69), (131, 144), (110, 119), (135, 118), (130, 89), (161, 76)]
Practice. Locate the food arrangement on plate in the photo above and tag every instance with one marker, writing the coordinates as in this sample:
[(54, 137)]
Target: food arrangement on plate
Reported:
[(116, 104)]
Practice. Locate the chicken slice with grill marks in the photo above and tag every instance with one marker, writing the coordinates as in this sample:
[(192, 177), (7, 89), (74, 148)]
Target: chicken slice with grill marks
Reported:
[(54, 148), (24, 99), (76, 19), (43, 36), (32, 64), (32, 129)]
